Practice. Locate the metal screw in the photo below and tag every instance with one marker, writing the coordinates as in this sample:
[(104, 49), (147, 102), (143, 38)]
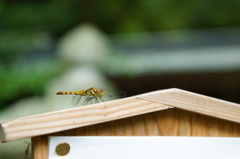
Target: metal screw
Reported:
[(62, 149)]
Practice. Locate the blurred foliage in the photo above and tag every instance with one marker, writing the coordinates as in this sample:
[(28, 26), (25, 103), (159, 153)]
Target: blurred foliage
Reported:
[(14, 44), (20, 21), (31, 26), (21, 81), (58, 16)]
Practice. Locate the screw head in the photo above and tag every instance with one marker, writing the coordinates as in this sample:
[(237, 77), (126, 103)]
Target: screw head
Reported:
[(62, 149)]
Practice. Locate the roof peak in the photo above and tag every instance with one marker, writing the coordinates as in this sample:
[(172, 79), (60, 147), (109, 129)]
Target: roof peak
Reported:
[(47, 123)]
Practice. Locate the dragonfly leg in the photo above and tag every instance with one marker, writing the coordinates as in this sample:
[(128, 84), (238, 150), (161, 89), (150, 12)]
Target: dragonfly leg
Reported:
[(87, 100), (96, 100), (101, 99), (91, 101), (76, 99)]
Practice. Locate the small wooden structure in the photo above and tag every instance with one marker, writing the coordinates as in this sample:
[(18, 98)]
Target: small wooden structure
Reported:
[(171, 112)]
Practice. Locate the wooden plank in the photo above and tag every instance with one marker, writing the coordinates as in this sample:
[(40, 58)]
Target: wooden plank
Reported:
[(150, 124), (171, 122), (138, 126), (101, 129), (184, 123), (76, 117), (236, 130), (196, 103), (199, 125), (213, 127), (168, 123), (128, 127), (39, 147), (116, 128)]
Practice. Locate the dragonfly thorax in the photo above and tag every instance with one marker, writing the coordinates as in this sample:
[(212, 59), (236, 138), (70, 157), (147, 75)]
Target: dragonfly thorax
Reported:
[(95, 92)]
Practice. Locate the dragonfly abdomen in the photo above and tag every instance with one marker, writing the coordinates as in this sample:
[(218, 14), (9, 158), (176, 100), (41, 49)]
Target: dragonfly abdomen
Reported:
[(64, 93)]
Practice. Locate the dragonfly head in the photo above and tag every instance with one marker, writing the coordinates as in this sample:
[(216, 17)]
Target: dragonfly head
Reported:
[(100, 93)]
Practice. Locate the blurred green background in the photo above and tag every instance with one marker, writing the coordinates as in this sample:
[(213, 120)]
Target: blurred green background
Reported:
[(138, 29), (29, 30)]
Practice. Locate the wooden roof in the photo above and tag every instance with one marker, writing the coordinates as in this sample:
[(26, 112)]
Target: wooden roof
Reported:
[(47, 123)]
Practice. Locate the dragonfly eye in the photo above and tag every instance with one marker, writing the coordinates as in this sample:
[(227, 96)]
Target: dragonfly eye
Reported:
[(100, 92)]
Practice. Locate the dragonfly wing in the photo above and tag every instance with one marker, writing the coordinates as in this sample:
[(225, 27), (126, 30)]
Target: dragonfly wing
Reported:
[(111, 95), (76, 99), (121, 94)]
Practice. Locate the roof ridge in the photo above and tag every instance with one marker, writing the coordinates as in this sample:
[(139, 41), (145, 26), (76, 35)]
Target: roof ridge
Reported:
[(51, 122)]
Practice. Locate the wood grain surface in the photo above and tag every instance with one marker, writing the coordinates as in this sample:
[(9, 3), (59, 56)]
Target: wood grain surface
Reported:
[(76, 117), (196, 103), (171, 122)]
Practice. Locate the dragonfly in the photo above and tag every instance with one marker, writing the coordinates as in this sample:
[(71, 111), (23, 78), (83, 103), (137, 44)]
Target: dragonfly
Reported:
[(91, 94)]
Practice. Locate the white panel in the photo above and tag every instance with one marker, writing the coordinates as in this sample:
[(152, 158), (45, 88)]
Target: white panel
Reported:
[(147, 147)]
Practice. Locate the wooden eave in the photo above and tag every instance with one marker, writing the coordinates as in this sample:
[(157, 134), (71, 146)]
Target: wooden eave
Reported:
[(52, 122)]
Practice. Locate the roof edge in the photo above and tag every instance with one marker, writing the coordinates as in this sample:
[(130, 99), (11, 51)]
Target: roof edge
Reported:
[(37, 125), (2, 136), (196, 103)]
